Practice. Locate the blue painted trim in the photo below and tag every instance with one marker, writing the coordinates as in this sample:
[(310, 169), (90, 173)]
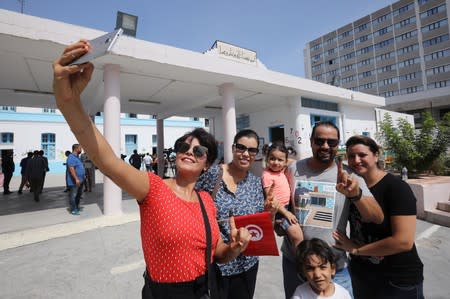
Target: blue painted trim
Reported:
[(58, 118), (31, 117)]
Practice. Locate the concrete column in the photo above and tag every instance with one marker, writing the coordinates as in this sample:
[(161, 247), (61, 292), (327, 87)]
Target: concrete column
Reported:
[(160, 146), (112, 194), (300, 132), (229, 119)]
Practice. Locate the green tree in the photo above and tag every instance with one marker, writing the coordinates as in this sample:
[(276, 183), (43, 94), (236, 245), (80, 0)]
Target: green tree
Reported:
[(415, 149)]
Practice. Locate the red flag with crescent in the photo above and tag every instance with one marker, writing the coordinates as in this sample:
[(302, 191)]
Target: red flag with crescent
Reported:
[(260, 227)]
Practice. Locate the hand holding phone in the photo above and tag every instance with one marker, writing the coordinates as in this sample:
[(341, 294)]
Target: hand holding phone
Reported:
[(100, 46)]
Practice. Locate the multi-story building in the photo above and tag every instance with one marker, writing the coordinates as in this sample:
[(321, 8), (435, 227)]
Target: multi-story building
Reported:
[(400, 52)]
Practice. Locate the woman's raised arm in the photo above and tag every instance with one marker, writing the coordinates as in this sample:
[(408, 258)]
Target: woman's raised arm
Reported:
[(68, 83)]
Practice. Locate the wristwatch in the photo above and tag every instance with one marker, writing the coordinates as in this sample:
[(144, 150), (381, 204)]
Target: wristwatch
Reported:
[(356, 197)]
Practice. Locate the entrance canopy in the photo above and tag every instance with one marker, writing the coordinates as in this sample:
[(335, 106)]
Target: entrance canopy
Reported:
[(155, 79)]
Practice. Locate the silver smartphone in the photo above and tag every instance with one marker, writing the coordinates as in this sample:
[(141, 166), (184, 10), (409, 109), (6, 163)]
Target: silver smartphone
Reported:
[(100, 46)]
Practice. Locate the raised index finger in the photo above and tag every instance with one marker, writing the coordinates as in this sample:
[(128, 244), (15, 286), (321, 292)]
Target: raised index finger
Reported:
[(340, 167), (232, 223)]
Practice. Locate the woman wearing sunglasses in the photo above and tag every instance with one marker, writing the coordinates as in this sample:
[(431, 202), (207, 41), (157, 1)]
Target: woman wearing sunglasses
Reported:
[(172, 225), (237, 191), (385, 250)]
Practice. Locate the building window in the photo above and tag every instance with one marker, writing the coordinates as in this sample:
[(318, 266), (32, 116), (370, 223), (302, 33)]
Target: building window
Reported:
[(412, 89), (408, 49), (364, 50), (131, 115), (389, 93), (387, 68), (384, 43), (384, 56), (330, 52), (421, 2), (8, 108), (345, 34), (316, 47), (382, 31), (403, 9), (332, 61), (438, 70), (318, 77), (409, 76), (369, 85), (437, 55), (438, 84), (242, 122), (48, 110), (318, 118), (365, 62), (361, 27), (365, 74), (406, 35), (348, 56), (348, 79), (348, 67), (435, 25), (7, 138), (130, 144), (408, 62), (363, 38), (405, 22), (433, 11), (388, 81), (317, 67), (435, 40), (381, 19), (347, 45), (154, 140), (318, 104), (48, 145)]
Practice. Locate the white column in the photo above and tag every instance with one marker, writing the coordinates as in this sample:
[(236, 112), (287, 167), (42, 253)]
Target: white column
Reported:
[(160, 146), (229, 119), (302, 128), (112, 194)]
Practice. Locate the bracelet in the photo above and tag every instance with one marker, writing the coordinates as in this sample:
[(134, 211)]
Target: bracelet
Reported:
[(357, 197)]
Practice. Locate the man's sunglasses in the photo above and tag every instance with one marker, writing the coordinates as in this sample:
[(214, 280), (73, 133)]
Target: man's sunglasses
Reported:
[(199, 151), (321, 141), (240, 148)]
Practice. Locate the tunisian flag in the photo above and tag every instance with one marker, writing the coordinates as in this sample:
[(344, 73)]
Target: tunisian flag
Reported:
[(260, 227)]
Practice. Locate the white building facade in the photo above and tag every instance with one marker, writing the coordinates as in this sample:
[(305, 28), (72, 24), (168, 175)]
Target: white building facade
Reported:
[(24, 129)]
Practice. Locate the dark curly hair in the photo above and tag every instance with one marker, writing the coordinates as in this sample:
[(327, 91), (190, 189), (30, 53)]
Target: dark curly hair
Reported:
[(205, 139), (317, 247), (277, 145)]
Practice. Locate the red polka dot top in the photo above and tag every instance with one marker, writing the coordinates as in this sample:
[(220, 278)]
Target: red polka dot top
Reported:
[(173, 233)]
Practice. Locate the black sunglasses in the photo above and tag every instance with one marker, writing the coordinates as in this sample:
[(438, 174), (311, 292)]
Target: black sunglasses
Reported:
[(321, 141), (240, 148), (199, 151)]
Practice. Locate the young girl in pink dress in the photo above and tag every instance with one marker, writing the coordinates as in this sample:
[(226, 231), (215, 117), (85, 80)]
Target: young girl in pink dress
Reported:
[(273, 177)]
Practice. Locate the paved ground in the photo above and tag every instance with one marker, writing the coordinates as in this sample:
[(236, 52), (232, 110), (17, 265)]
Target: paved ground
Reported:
[(47, 253)]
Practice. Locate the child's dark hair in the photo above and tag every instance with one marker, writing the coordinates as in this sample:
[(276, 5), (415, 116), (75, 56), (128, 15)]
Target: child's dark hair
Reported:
[(317, 247), (277, 145)]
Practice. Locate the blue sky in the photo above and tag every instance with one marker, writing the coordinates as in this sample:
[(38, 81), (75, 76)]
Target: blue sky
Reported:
[(276, 30)]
